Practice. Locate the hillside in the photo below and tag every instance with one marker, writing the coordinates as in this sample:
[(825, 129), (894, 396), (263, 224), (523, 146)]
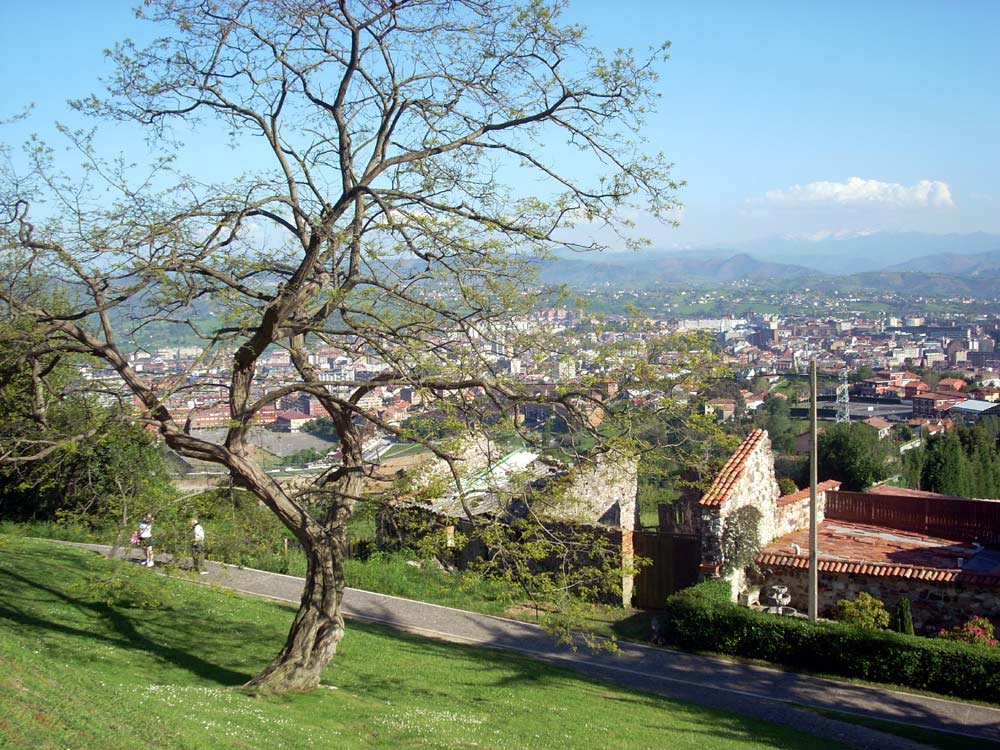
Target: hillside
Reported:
[(155, 669), (916, 284), (640, 269), (976, 264), (874, 251)]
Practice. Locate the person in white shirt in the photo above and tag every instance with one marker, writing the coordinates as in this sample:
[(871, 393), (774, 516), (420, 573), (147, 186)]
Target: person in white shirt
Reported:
[(197, 545), (146, 538)]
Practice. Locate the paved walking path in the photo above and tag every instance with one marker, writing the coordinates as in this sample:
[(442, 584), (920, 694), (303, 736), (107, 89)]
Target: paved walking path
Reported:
[(763, 693)]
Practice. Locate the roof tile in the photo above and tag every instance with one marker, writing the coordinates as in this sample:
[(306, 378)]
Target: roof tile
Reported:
[(726, 480), (882, 570)]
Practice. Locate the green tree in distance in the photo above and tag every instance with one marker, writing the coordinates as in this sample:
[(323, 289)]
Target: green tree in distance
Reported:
[(778, 423), (962, 462), (852, 453), (63, 453)]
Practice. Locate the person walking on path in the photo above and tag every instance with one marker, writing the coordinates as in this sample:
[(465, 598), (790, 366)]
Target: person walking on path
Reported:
[(197, 545), (146, 538)]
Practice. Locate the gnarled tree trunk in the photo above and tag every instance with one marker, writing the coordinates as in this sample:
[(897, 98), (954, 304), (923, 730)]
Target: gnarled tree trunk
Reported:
[(318, 626)]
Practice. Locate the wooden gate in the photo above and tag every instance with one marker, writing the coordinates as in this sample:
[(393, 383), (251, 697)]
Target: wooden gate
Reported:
[(673, 564)]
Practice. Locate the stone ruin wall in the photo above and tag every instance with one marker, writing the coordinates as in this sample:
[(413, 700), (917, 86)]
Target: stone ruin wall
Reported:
[(756, 487), (795, 515), (603, 495), (602, 491), (474, 453), (933, 605)]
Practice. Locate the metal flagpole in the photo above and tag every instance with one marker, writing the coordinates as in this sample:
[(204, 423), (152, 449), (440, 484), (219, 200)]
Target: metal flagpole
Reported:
[(813, 535)]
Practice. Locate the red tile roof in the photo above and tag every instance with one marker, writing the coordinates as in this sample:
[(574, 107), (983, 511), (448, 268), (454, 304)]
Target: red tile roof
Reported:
[(878, 423), (293, 415), (733, 470), (861, 549), (955, 383), (829, 484), (914, 572)]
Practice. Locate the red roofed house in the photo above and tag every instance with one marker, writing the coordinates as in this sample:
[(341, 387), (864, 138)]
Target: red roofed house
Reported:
[(880, 425), (873, 387), (932, 404), (904, 378), (951, 384), (940, 552), (987, 393), (747, 479), (916, 389)]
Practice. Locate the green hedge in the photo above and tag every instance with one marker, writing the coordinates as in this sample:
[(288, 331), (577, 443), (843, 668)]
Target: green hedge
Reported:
[(703, 619)]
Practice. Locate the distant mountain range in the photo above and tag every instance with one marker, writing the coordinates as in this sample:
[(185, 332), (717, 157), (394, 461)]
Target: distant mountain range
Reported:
[(875, 251), (663, 269), (946, 264), (915, 284), (976, 264)]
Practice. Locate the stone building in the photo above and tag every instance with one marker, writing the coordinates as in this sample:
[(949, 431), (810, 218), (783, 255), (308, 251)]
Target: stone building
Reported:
[(942, 553), (746, 480), (597, 496)]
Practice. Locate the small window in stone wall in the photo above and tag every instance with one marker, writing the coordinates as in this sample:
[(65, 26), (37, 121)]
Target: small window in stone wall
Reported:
[(740, 542)]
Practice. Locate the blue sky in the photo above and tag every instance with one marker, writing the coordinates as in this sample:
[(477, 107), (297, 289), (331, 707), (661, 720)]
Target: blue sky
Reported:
[(785, 118)]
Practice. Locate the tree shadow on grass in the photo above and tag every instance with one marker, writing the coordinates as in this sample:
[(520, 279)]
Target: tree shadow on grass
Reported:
[(510, 673), (123, 632)]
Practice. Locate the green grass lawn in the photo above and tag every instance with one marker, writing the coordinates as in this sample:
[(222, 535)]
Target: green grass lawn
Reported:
[(76, 672), (402, 449), (384, 573)]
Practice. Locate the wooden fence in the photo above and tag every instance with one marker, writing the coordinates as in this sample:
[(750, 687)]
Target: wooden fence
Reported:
[(951, 518), (673, 564)]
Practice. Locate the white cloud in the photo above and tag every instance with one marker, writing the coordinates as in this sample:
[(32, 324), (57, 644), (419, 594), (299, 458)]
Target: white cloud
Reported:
[(828, 234), (857, 191)]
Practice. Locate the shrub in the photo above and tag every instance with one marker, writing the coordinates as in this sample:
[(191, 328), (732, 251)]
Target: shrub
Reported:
[(978, 631), (863, 611), (787, 486), (697, 620), (741, 538), (715, 591), (903, 621)]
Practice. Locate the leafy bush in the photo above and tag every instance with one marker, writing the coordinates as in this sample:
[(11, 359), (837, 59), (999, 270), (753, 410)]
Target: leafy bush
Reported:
[(695, 619), (741, 538), (787, 486), (978, 631), (863, 611), (713, 591)]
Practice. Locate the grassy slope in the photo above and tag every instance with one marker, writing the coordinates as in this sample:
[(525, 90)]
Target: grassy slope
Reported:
[(77, 673)]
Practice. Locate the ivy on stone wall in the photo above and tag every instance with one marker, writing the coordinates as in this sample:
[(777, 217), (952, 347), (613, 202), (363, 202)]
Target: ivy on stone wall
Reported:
[(740, 542)]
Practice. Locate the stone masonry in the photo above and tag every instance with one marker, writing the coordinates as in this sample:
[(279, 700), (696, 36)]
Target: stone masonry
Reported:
[(934, 605), (746, 479)]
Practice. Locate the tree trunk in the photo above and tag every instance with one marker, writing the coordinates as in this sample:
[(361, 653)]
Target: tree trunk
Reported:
[(318, 626)]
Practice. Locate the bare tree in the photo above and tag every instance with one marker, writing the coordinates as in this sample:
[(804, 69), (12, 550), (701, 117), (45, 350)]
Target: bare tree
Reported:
[(421, 156)]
